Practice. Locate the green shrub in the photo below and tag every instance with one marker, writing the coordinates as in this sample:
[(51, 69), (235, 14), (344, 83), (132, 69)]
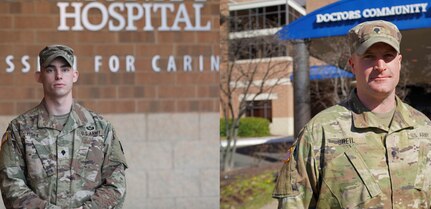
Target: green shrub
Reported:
[(248, 127), (253, 127)]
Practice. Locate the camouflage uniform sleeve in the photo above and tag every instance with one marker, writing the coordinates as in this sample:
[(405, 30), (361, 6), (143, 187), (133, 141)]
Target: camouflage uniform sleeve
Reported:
[(13, 183), (112, 192), (297, 179)]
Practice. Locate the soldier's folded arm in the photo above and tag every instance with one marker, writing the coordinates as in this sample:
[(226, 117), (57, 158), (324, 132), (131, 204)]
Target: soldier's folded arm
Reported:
[(15, 191), (113, 189)]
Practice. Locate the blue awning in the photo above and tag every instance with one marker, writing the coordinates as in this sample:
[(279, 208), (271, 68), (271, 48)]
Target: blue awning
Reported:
[(337, 18), (322, 72)]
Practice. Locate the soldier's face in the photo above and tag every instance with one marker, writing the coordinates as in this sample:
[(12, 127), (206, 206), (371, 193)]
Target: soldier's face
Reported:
[(57, 79), (377, 71)]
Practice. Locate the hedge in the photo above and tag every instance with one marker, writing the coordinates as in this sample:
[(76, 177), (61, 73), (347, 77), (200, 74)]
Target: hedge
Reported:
[(248, 127)]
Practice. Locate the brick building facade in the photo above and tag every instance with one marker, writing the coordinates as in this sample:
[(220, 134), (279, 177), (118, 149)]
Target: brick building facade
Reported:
[(250, 29), (150, 67)]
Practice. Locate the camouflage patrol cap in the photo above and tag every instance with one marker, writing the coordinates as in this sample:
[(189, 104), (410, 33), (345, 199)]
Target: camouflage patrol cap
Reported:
[(49, 53), (364, 35)]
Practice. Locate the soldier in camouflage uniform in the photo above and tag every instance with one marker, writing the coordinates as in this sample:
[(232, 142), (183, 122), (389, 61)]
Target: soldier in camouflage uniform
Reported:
[(59, 154), (370, 151)]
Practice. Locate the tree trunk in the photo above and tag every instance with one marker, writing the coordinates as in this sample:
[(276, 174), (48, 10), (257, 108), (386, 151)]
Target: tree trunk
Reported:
[(230, 149)]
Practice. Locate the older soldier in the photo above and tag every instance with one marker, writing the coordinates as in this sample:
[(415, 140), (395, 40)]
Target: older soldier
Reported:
[(59, 154), (370, 151)]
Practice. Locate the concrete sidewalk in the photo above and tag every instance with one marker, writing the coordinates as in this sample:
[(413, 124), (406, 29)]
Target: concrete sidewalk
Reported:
[(243, 142), (272, 205)]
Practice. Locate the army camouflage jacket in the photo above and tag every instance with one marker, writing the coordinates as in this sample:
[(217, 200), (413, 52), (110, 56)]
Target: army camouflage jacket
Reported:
[(344, 158), (44, 164)]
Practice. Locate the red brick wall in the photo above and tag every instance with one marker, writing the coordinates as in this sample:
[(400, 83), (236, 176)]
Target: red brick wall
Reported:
[(27, 26), (313, 5)]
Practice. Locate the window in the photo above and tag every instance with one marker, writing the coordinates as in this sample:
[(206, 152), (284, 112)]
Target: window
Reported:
[(261, 109), (256, 19), (261, 18), (257, 47), (275, 16)]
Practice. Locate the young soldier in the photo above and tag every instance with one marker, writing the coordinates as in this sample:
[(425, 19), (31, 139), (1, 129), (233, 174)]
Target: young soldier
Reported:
[(59, 154), (370, 151)]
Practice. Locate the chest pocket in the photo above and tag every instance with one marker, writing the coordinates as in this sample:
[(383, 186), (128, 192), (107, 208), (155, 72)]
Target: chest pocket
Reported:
[(90, 158), (350, 180), (40, 161)]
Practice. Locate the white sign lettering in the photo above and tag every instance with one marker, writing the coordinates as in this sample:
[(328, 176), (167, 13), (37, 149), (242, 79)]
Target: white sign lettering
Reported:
[(24, 61), (155, 63), (130, 63), (115, 64), (372, 12), (130, 16), (11, 66), (338, 16), (97, 63), (119, 16), (188, 61)]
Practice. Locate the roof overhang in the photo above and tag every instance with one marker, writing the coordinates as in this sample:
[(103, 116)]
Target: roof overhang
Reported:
[(328, 40), (336, 19)]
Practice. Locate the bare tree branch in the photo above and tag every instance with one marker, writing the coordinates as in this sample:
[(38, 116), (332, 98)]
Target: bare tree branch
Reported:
[(252, 71)]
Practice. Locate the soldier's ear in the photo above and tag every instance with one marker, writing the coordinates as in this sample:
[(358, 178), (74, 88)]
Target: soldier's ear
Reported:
[(352, 65), (75, 76), (37, 77)]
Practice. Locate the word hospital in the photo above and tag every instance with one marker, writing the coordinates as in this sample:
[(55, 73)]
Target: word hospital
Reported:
[(120, 16)]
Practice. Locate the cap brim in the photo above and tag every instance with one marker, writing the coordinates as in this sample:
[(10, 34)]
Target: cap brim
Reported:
[(52, 58), (367, 44)]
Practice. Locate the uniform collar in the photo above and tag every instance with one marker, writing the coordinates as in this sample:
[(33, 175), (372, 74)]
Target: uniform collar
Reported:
[(76, 118), (363, 118)]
